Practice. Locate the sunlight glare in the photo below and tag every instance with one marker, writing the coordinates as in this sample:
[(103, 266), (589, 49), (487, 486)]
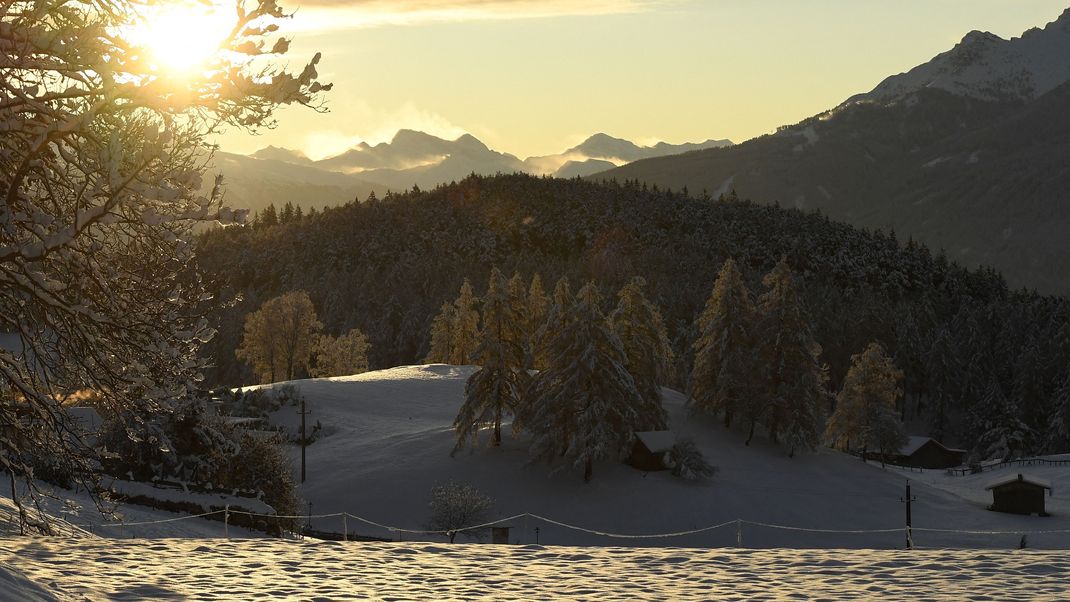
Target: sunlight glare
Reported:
[(182, 38)]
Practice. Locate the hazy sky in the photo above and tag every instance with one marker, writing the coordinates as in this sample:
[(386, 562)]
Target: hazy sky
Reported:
[(536, 76)]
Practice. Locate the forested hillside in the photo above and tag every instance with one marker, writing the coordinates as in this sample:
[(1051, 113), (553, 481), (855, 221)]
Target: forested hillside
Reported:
[(979, 360)]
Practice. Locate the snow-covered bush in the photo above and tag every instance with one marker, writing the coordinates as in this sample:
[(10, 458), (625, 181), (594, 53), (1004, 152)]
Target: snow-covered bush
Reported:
[(191, 445), (688, 462), (455, 506)]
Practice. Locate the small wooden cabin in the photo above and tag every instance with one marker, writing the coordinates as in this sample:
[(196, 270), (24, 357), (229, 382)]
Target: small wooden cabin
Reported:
[(651, 450), (1019, 494), (923, 452)]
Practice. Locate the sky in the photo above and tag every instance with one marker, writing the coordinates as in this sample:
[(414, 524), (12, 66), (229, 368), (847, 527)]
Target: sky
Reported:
[(534, 77)]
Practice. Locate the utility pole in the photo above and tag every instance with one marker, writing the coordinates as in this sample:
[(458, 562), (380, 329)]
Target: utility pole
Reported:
[(304, 441), (907, 500)]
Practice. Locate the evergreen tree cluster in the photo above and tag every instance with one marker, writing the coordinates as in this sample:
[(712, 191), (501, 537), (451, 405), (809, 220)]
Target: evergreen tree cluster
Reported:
[(386, 265), (602, 379)]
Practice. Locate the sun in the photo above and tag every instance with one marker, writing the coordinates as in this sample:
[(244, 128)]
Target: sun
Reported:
[(181, 38)]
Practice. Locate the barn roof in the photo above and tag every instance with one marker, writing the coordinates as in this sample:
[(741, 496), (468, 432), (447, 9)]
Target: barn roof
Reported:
[(1012, 478), (657, 441), (916, 443)]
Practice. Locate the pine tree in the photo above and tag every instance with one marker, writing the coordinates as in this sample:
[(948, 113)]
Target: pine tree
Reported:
[(538, 305), (793, 387), (723, 372), (496, 387), (269, 217), (638, 324), (556, 320), (442, 335), (585, 405), (465, 326), (287, 214), (865, 407)]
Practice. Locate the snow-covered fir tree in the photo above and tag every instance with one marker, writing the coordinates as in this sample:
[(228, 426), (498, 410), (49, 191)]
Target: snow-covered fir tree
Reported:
[(942, 366), (866, 416), (638, 324), (495, 388), (442, 335), (793, 380), (465, 326), (1057, 437), (722, 377), (999, 431), (584, 406)]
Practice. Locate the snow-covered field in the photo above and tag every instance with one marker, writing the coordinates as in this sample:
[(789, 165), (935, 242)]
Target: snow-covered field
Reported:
[(97, 569), (387, 439)]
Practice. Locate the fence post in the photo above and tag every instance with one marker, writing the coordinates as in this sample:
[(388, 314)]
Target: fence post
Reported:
[(226, 521), (345, 527), (739, 533)]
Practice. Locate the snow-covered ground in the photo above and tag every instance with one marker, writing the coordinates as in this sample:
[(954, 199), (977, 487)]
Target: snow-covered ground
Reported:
[(97, 569), (387, 439)]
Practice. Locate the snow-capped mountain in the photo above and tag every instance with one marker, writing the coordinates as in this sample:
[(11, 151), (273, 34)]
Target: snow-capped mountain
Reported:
[(985, 66), (967, 153)]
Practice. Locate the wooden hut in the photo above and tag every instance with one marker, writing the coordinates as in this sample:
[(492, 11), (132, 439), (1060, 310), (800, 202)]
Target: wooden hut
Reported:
[(923, 452), (651, 450), (1019, 494)]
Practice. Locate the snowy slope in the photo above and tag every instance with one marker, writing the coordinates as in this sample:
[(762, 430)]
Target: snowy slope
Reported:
[(987, 67), (387, 440)]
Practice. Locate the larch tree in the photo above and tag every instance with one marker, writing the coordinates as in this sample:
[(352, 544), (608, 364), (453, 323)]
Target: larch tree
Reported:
[(865, 415), (792, 388), (442, 338), (557, 316), (494, 390), (722, 378), (465, 326), (538, 306), (648, 352), (584, 406), (341, 356), (279, 337), (102, 157)]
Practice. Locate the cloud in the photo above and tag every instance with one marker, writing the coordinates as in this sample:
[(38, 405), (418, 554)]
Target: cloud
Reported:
[(345, 14)]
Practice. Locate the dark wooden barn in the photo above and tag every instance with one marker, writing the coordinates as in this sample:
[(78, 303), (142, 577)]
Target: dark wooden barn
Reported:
[(923, 452), (1019, 494), (651, 450)]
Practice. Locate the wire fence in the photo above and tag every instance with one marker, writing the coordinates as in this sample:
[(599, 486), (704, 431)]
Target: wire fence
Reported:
[(740, 526)]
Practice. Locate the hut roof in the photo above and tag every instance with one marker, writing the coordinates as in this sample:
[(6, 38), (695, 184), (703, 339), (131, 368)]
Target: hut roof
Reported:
[(916, 443), (1007, 479), (657, 441)]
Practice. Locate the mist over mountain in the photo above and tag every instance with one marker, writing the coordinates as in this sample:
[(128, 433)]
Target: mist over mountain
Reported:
[(968, 152), (415, 158), (254, 183)]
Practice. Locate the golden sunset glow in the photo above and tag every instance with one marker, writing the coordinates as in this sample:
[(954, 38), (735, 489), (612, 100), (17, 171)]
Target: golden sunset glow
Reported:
[(182, 38)]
